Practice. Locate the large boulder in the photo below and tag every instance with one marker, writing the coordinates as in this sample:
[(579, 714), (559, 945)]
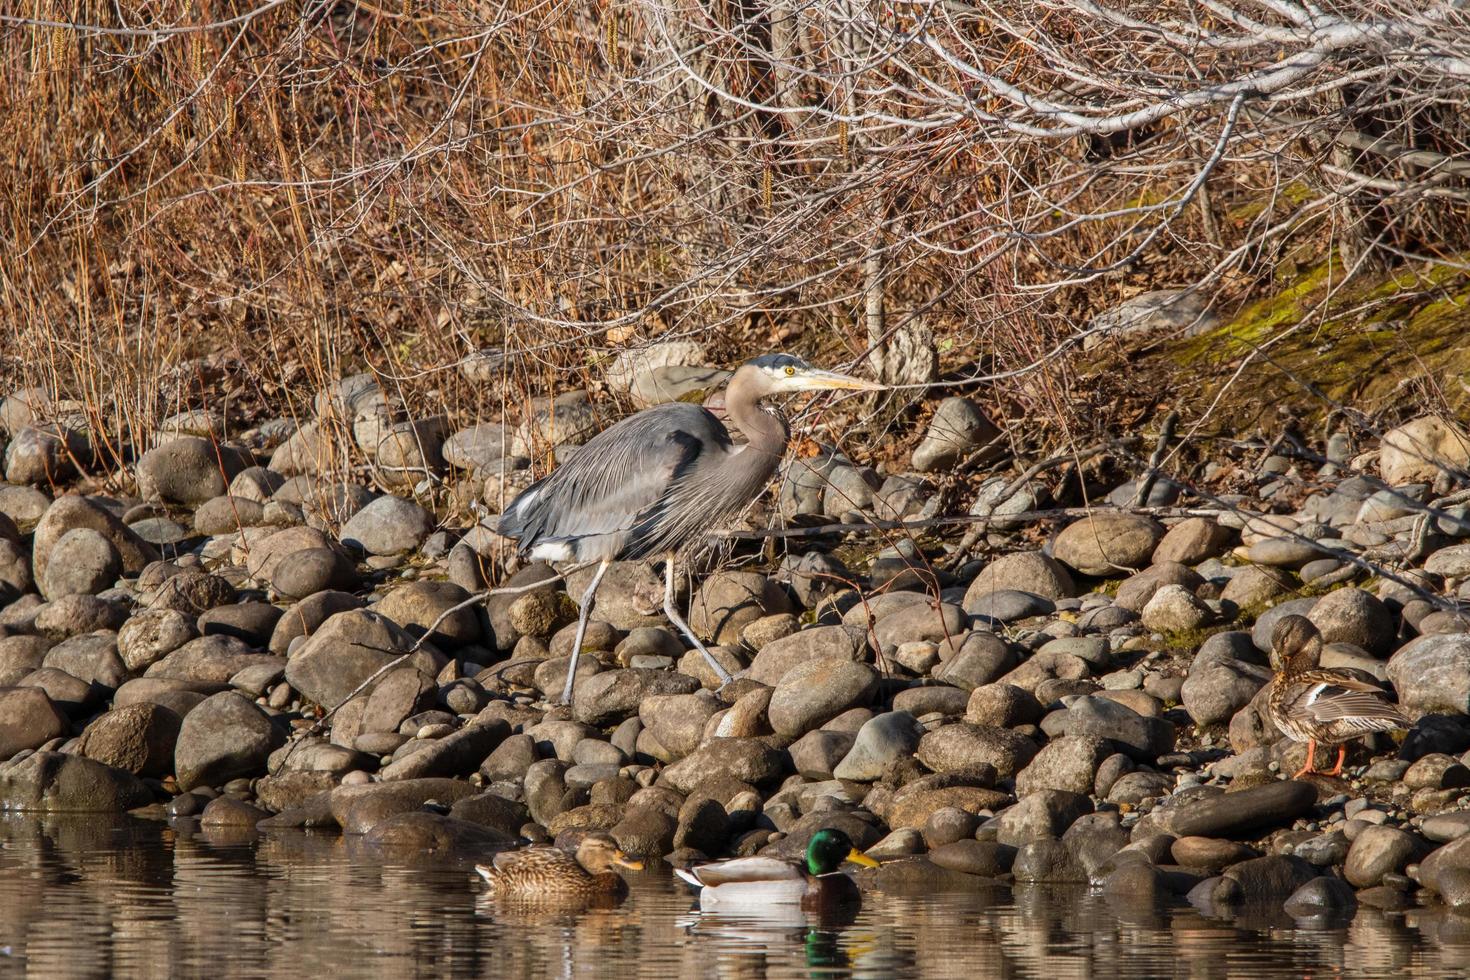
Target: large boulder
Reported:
[(225, 737), (28, 720), (1108, 543), (1419, 450), (139, 738), (1432, 674), (349, 648), (71, 512), (815, 692), (55, 783), (727, 602), (1024, 571), (189, 470)]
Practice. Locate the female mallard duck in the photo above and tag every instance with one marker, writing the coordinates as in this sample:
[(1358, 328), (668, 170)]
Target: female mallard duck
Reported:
[(550, 872), (772, 881), (1313, 705)]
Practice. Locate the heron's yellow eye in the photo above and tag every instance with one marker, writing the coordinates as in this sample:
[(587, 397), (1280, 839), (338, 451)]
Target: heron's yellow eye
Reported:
[(790, 370)]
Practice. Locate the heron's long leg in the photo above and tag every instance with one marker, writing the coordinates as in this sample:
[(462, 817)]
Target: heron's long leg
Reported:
[(583, 613), (673, 613)]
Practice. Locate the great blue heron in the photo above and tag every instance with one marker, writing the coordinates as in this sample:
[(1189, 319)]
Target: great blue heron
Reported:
[(652, 484)]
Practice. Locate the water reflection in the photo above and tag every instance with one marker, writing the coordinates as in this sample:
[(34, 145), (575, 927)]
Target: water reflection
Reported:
[(81, 897)]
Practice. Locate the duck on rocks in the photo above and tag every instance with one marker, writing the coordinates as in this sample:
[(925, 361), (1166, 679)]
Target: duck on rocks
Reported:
[(542, 873), (814, 883), (1313, 705)]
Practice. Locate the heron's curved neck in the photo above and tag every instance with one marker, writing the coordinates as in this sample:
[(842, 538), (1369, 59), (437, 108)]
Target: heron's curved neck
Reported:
[(765, 432)]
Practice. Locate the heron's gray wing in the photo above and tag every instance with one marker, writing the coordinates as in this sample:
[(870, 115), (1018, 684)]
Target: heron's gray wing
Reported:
[(599, 503)]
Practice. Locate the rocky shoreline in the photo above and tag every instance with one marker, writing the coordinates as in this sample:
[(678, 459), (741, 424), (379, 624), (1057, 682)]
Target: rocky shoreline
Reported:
[(1090, 710)]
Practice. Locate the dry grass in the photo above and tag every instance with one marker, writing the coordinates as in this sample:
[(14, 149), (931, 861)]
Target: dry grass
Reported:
[(234, 216)]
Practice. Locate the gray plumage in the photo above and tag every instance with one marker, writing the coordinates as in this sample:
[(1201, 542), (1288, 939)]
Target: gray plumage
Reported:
[(657, 482)]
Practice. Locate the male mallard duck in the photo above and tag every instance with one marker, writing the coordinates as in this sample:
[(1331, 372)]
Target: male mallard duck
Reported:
[(772, 881), (1313, 705), (550, 872)]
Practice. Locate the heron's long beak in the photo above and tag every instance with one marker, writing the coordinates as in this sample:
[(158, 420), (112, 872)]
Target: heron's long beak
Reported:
[(623, 861), (858, 857), (824, 380)]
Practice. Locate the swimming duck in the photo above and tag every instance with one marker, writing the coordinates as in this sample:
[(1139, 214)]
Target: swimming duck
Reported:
[(550, 872), (1313, 705), (812, 883)]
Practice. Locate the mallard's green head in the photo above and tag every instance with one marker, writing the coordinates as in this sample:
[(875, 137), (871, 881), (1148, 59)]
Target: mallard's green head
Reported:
[(827, 850)]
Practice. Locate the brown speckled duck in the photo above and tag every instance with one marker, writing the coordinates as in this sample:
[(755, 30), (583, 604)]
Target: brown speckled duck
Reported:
[(537, 873), (1313, 705)]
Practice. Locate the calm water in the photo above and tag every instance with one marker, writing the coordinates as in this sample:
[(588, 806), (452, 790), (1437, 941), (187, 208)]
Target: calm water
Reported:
[(83, 898)]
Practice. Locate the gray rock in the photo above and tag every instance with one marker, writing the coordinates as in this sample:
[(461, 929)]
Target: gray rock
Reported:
[(920, 621), (1068, 763), (1174, 609), (1193, 540), (1240, 813), (1002, 706), (306, 616), (776, 658), (630, 595), (727, 602), (28, 720), (477, 447), (139, 738), (71, 512), (55, 783), (73, 615), (313, 570), (817, 691), (1136, 592), (91, 657), (1024, 571), (189, 470), (251, 622), (349, 648), (226, 737), (616, 694), (1214, 691), (192, 592), (983, 658), (268, 549), (970, 749), (19, 655), (456, 754), (416, 606), (1047, 861), (678, 721), (1009, 606), (1432, 674), (1141, 737), (1283, 552), (1356, 617), (45, 454), (816, 754), (1264, 880), (957, 429), (1379, 851), (1157, 311), (83, 562), (882, 739), (408, 452), (1042, 815), (388, 526), (674, 382), (748, 761), (1108, 543), (1319, 897)]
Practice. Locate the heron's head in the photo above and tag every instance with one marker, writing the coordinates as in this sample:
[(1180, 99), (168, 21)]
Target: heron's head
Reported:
[(781, 374)]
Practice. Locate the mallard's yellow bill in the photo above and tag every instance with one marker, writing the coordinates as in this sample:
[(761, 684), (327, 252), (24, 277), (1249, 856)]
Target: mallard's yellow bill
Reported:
[(858, 857)]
